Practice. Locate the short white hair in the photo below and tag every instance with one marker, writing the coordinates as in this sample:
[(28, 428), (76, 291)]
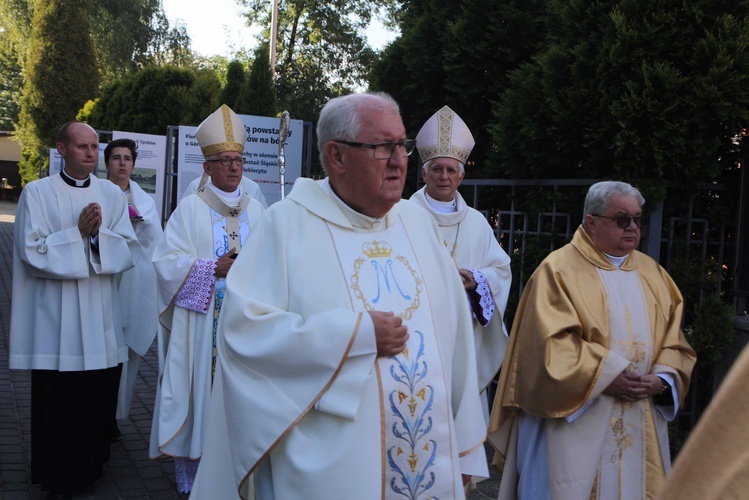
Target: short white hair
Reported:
[(600, 193), (340, 117), (425, 166)]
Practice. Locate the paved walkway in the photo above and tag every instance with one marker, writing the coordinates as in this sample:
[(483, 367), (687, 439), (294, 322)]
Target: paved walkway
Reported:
[(129, 473)]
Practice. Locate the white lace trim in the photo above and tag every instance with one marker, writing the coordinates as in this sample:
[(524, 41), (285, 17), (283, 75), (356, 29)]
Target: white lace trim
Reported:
[(197, 289), (486, 300)]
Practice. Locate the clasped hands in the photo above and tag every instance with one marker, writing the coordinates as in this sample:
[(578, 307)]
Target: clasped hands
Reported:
[(632, 387), (89, 220)]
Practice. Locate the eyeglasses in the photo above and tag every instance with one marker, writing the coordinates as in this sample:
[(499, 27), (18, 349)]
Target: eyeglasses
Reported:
[(226, 162), (384, 150), (623, 221)]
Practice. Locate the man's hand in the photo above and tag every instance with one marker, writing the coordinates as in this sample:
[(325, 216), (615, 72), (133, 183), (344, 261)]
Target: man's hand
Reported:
[(652, 384), (390, 333), (627, 386), (224, 263), (90, 220), (468, 282)]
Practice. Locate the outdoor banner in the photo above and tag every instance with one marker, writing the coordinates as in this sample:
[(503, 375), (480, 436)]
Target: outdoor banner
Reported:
[(261, 155), (149, 167)]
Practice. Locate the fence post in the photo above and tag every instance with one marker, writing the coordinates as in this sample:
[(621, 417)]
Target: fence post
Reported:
[(655, 226)]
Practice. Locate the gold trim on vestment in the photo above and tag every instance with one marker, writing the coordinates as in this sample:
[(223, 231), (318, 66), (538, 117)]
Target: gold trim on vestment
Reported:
[(655, 473), (221, 147), (383, 430)]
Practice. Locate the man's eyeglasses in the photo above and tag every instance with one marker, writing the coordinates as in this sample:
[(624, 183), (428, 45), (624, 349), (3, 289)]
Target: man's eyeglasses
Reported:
[(384, 150), (623, 221), (226, 162)]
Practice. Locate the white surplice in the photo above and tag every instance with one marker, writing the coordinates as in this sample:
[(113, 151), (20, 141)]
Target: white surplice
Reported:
[(65, 314), (472, 244), (137, 295), (301, 399), (194, 238)]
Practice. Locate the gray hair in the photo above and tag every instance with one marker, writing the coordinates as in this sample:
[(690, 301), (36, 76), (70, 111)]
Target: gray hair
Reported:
[(599, 194), (339, 118), (425, 166)]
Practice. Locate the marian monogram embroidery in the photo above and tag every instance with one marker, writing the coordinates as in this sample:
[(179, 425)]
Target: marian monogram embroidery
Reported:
[(386, 281), (383, 274)]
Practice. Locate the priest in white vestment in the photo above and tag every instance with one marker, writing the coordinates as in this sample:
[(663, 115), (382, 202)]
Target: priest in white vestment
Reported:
[(73, 238), (596, 367), (444, 143), (342, 373), (137, 287), (202, 238)]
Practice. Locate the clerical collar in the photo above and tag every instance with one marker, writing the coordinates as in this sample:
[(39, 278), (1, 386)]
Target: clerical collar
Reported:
[(230, 199), (75, 182), (442, 207), (357, 219), (616, 261)]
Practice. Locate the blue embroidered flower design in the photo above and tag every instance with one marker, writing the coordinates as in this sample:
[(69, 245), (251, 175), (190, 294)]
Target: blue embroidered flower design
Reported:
[(411, 405)]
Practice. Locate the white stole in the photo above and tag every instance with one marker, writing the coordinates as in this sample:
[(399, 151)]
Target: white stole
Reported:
[(622, 466), (382, 274)]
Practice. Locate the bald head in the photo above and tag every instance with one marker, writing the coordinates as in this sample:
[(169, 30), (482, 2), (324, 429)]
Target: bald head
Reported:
[(78, 144)]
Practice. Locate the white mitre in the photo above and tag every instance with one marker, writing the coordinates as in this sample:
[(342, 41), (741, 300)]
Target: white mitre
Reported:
[(445, 135), (221, 131)]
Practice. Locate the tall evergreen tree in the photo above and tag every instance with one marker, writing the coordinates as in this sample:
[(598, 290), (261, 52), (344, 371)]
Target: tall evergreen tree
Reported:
[(11, 81), (156, 97), (483, 44), (648, 93), (61, 75), (460, 55), (127, 35), (257, 95), (234, 81)]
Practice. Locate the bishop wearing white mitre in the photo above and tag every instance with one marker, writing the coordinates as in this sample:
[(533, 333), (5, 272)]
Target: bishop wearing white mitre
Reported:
[(201, 239)]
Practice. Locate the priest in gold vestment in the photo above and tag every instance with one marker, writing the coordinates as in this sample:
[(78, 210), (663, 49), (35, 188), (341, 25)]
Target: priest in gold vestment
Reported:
[(597, 364), (714, 462)]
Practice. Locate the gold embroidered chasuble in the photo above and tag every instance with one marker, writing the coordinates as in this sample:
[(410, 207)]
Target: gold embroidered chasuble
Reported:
[(581, 322)]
